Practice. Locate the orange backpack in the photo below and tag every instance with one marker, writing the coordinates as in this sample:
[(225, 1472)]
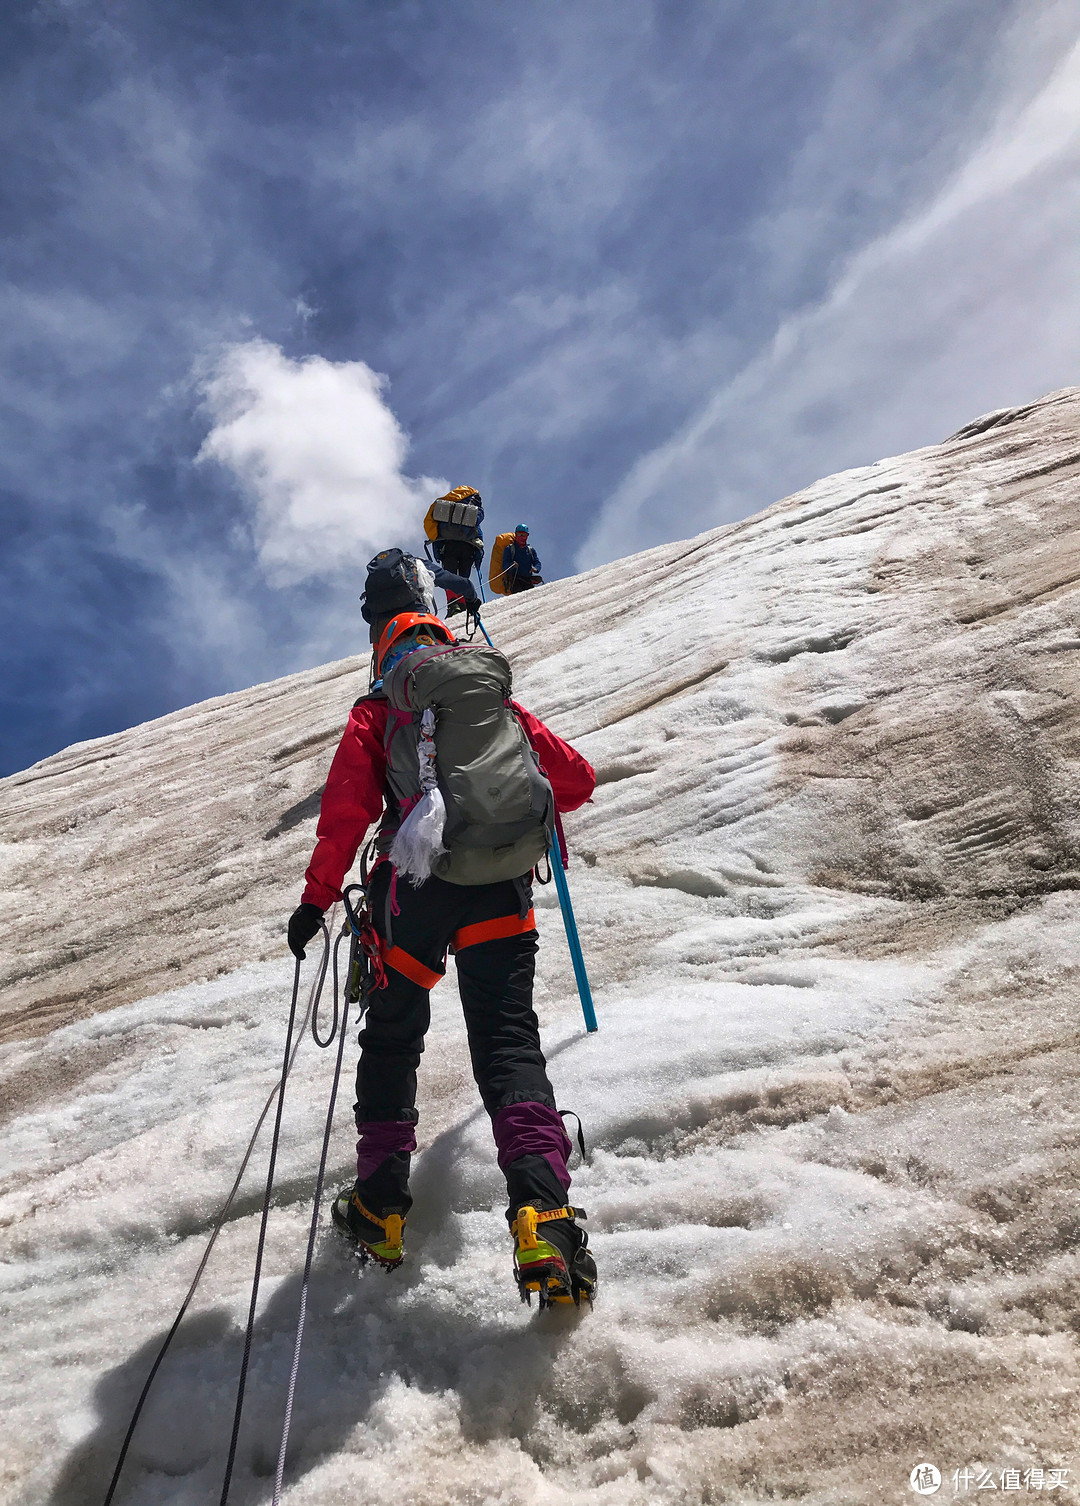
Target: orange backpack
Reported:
[(495, 563)]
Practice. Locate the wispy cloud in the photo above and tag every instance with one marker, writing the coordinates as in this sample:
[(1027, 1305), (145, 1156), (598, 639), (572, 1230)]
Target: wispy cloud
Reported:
[(969, 302), (568, 234)]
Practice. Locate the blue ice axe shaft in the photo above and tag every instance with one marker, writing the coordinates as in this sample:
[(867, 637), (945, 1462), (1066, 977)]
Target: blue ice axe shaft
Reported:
[(480, 578), (558, 868)]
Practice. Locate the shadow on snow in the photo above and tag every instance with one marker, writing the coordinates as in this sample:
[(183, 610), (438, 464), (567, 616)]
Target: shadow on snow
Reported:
[(412, 1327)]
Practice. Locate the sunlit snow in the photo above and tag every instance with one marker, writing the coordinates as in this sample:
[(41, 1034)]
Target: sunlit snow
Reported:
[(827, 894)]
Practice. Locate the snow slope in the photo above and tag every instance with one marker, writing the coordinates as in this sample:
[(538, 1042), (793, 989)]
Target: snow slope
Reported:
[(827, 890)]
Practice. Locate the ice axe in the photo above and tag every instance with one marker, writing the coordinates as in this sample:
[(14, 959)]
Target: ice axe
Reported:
[(558, 859)]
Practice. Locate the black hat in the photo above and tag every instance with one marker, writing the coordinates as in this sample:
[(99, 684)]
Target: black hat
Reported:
[(396, 582)]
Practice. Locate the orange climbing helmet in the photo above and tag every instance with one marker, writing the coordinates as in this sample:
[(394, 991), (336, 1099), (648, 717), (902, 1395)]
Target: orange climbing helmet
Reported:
[(404, 623)]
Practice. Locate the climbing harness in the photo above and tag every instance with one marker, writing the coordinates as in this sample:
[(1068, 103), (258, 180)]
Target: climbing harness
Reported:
[(364, 973)]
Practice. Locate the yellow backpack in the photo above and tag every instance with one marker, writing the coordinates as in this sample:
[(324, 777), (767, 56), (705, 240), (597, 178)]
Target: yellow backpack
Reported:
[(457, 514), (495, 563)]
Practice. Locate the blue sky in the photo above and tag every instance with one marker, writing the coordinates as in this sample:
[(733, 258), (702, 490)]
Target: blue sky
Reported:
[(273, 273)]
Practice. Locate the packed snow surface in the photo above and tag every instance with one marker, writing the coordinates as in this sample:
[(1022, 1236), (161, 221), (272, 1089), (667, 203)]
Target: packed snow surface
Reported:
[(827, 891)]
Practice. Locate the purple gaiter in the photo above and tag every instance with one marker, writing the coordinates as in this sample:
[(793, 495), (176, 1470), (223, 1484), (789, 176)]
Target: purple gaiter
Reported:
[(532, 1129), (380, 1138)]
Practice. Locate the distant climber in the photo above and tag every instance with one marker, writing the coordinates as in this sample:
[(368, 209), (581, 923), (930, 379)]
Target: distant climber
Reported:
[(463, 782), (520, 564), (453, 529)]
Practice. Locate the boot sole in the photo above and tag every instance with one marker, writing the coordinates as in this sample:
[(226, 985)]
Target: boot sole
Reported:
[(552, 1285)]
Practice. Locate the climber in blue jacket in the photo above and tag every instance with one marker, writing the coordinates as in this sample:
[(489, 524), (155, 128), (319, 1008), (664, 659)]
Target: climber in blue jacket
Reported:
[(521, 563)]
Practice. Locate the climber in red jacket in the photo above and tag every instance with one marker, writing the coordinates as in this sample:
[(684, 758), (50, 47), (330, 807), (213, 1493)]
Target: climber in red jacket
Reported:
[(490, 928), (356, 790)]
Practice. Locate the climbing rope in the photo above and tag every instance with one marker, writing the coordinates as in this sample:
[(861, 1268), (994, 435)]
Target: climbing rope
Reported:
[(219, 1223), (365, 972), (358, 930), (249, 1331)]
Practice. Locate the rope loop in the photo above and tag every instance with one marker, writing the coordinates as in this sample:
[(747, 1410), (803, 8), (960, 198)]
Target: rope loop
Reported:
[(329, 1041)]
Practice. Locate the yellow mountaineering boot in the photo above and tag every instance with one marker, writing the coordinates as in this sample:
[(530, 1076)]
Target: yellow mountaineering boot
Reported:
[(376, 1237), (551, 1256)]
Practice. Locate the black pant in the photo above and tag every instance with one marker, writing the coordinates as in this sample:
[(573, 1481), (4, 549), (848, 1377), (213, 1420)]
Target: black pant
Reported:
[(456, 555), (495, 981)]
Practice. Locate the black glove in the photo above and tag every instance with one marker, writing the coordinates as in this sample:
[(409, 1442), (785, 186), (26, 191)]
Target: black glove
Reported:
[(304, 922)]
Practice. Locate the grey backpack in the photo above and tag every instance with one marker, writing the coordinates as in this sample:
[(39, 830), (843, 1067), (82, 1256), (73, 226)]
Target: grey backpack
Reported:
[(456, 520), (500, 809)]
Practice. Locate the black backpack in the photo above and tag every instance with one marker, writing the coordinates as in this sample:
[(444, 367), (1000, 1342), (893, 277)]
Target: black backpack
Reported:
[(394, 585)]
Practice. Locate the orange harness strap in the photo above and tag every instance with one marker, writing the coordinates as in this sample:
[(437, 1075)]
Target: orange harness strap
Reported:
[(408, 966), (483, 930), (494, 930)]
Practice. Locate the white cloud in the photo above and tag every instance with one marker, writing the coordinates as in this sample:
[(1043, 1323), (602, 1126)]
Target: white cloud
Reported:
[(971, 302), (319, 456)]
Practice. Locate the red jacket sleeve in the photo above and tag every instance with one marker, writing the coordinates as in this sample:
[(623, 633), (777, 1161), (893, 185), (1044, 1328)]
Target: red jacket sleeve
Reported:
[(572, 777), (351, 802)]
